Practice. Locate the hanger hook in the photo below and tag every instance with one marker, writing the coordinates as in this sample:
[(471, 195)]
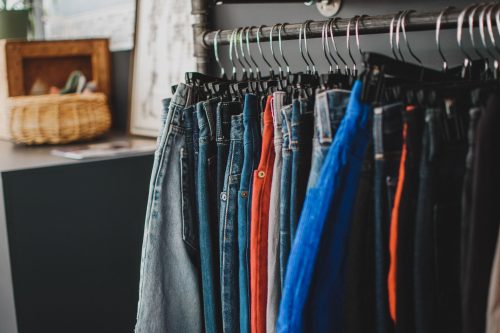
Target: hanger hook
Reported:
[(471, 18), (280, 44), (348, 44), (482, 18), (489, 24), (308, 68), (308, 27), (334, 23), (460, 23), (216, 53), (234, 72), (272, 48), (391, 35), (403, 27), (398, 29), (271, 70), (325, 46), (438, 41), (247, 42), (356, 32), (242, 49)]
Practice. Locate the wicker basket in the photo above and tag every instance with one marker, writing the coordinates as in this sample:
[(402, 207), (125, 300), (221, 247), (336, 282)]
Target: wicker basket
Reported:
[(57, 119)]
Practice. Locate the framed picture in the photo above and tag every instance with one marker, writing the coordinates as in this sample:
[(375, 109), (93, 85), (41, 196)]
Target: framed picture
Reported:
[(163, 52)]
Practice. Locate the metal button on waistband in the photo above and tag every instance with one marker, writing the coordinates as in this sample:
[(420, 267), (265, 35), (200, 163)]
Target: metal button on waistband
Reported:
[(223, 196), (261, 174), (244, 194)]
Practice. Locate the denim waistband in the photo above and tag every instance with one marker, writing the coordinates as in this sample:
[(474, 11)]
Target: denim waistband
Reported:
[(182, 96), (286, 124), (237, 127), (206, 117), (223, 119), (387, 127), (188, 115), (330, 108), (251, 106)]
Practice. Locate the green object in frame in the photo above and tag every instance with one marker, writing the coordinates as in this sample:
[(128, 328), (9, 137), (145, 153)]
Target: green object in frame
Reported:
[(14, 24)]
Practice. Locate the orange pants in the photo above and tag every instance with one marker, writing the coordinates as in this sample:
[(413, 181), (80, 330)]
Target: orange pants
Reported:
[(261, 195)]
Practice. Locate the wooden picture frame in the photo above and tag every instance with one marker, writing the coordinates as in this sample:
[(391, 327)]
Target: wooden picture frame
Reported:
[(163, 52)]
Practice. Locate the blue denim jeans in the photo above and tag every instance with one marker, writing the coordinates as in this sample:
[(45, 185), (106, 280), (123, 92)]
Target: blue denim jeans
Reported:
[(223, 129), (301, 137), (170, 297), (207, 213), (228, 219), (273, 253), (251, 157), (286, 173), (329, 109), (318, 255)]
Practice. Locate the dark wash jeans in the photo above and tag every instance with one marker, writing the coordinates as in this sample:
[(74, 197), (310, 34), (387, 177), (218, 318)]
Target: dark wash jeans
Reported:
[(405, 304), (207, 213), (286, 172), (170, 297), (387, 138), (228, 221), (301, 136), (251, 156)]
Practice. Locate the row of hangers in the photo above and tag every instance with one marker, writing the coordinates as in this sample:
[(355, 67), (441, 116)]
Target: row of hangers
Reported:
[(380, 71)]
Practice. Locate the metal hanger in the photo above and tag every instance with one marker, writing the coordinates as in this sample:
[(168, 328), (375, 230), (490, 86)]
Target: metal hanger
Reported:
[(471, 18), (280, 68), (216, 53), (356, 32), (280, 46), (482, 32), (438, 41), (332, 37), (301, 49), (234, 72), (236, 53), (403, 27), (398, 29), (467, 58), (354, 71), (271, 70), (247, 41), (391, 35), (250, 70)]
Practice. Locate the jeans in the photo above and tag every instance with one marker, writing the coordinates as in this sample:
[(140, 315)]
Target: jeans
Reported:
[(360, 261), (261, 199), (329, 109), (286, 173), (425, 239), (225, 110), (273, 253), (228, 219), (406, 212), (170, 297), (207, 213), (251, 155), (301, 137), (313, 292), (387, 129)]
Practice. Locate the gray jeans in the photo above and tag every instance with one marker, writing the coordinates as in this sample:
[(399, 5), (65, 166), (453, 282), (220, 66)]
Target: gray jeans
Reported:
[(169, 290)]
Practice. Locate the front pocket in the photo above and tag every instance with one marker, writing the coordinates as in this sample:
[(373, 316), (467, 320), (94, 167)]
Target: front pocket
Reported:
[(189, 228)]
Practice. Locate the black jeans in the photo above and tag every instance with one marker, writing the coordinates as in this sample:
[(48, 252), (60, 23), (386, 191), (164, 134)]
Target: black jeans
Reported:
[(360, 270), (387, 133), (405, 309)]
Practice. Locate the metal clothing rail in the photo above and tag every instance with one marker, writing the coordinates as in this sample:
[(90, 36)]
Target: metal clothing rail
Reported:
[(415, 21)]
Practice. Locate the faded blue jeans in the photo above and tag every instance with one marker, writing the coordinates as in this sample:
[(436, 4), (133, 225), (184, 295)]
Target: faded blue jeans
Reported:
[(228, 221), (285, 184), (169, 291), (251, 157), (329, 109), (207, 213)]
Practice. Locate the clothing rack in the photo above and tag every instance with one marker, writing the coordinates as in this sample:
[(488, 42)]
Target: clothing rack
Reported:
[(415, 21)]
